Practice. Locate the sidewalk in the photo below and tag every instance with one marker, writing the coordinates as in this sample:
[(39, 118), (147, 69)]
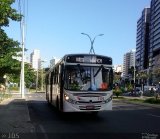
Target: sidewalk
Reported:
[(14, 119)]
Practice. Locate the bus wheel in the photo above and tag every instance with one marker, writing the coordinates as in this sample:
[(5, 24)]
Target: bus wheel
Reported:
[(57, 103), (49, 103), (47, 98)]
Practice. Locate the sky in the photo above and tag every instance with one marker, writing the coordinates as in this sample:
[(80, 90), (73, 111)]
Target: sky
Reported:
[(55, 26)]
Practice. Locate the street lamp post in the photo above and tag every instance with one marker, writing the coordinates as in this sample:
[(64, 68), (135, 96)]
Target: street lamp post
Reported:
[(22, 64), (42, 76), (37, 80), (92, 42), (134, 75)]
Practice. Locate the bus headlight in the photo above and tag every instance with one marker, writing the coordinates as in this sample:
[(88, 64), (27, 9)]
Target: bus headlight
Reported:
[(68, 99)]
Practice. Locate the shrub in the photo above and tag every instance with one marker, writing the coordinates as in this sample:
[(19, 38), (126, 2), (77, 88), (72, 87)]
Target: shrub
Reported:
[(117, 92), (14, 88), (152, 101), (123, 89), (148, 93)]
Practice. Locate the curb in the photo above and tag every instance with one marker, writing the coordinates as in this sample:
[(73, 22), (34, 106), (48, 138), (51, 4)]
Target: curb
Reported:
[(6, 101)]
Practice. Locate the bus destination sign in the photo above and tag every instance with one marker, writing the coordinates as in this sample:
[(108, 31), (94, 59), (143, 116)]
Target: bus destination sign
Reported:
[(88, 59)]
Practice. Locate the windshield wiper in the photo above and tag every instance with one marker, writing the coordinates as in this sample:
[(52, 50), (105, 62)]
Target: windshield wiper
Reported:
[(98, 70)]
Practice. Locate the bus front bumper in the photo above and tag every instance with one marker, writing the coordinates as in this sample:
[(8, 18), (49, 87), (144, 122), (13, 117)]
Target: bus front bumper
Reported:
[(89, 107)]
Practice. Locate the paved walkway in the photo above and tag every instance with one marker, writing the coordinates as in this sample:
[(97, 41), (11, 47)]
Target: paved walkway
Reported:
[(15, 120)]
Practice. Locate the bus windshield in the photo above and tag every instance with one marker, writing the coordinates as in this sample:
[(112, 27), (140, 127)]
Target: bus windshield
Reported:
[(88, 78)]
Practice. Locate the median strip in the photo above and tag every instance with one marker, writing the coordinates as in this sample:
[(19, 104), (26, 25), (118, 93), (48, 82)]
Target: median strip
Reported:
[(145, 101), (154, 115)]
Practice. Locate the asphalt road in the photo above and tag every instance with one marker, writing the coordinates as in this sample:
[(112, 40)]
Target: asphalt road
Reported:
[(124, 121)]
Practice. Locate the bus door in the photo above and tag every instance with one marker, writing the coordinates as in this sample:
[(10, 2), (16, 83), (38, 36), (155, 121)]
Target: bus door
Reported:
[(61, 85), (47, 87), (51, 86)]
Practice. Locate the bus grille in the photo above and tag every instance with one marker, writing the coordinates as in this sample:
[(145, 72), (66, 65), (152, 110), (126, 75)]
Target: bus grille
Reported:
[(89, 108), (88, 102)]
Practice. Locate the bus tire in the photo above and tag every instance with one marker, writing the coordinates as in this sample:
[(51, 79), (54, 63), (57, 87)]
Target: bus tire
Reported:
[(57, 104), (47, 98), (46, 95)]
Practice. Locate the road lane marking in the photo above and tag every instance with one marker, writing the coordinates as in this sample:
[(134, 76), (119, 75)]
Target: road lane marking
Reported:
[(154, 115), (43, 131)]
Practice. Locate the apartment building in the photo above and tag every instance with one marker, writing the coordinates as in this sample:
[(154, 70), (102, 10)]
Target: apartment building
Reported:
[(154, 53), (128, 62), (35, 59), (142, 40)]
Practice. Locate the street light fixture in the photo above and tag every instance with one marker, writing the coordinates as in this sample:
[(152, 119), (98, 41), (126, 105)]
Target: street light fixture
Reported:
[(92, 42)]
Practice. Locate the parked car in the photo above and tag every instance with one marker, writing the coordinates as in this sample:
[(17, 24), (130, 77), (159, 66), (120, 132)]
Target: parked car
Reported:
[(136, 93), (150, 88)]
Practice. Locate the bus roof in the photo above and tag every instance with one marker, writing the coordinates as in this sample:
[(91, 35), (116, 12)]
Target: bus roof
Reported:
[(88, 58), (84, 58), (85, 54)]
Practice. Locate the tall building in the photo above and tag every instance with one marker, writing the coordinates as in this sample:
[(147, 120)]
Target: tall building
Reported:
[(118, 68), (35, 59), (155, 34), (148, 41), (52, 62), (128, 62), (142, 40)]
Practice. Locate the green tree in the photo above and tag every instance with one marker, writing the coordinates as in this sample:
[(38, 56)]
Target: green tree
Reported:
[(131, 71), (117, 77), (7, 13), (8, 47), (117, 91), (30, 76)]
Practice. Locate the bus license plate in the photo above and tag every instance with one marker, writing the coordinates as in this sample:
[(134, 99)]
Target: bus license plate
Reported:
[(90, 107)]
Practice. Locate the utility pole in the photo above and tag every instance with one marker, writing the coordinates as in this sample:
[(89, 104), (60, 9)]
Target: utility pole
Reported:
[(134, 78), (42, 76), (37, 80), (22, 68), (41, 79), (22, 24)]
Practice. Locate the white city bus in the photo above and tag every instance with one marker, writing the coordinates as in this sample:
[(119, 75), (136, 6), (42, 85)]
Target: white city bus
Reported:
[(80, 83)]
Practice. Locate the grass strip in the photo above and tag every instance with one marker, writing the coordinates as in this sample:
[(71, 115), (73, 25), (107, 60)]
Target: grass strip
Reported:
[(148, 100)]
